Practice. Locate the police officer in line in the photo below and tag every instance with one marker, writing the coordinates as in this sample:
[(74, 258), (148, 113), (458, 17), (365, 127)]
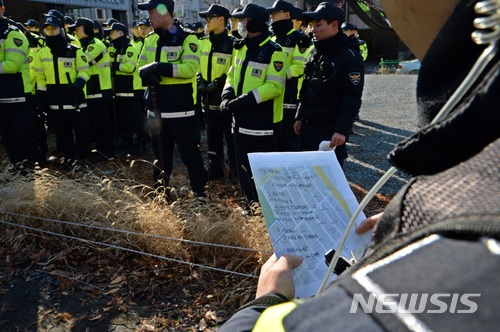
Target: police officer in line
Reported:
[(295, 46), (127, 90), (68, 20), (330, 97), (17, 127), (233, 24), (169, 62), (136, 36), (254, 92), (33, 26), (71, 39), (216, 59), (61, 73), (145, 28), (351, 31), (98, 31), (99, 87)]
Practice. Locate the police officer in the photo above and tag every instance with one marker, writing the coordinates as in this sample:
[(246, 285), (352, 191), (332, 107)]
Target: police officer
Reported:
[(216, 58), (33, 26), (351, 31), (99, 87), (61, 73), (126, 83), (145, 27), (295, 46), (68, 36), (136, 36), (254, 92), (330, 97), (17, 127), (169, 62)]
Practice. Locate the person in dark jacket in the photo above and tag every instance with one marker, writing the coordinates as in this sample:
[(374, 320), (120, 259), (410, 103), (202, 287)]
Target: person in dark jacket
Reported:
[(331, 93), (433, 261)]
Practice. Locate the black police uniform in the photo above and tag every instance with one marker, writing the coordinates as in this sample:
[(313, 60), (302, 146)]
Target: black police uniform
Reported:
[(330, 97)]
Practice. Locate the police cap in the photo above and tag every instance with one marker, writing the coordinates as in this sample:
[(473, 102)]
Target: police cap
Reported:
[(281, 5), (253, 11), (215, 10), (82, 22), (152, 4), (327, 11), (119, 27), (32, 23)]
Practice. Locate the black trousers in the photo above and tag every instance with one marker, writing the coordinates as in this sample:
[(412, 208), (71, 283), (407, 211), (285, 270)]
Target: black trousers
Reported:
[(186, 135), (130, 119), (218, 130), (314, 134), (289, 140), (246, 144), (100, 125), (17, 129), (72, 132)]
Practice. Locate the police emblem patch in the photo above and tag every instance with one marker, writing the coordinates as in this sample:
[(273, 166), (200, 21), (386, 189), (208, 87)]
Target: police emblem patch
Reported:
[(130, 54), (18, 42), (278, 65), (355, 78), (90, 48), (84, 58), (193, 47), (221, 61), (112, 54)]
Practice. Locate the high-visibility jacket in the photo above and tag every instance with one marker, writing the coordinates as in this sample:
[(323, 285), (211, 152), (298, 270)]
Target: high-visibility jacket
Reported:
[(99, 85), (259, 68), (54, 79), (216, 59), (126, 80), (14, 64), (295, 49), (176, 93), (363, 49)]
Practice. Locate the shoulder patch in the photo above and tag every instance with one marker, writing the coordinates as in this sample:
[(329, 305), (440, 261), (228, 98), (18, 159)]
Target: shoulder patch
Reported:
[(355, 77), (193, 47), (278, 65), (130, 54), (18, 42), (84, 58), (90, 48)]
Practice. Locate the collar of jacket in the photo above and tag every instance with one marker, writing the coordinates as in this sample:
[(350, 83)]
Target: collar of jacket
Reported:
[(255, 42), (120, 42), (332, 45), (282, 28), (86, 41), (217, 38)]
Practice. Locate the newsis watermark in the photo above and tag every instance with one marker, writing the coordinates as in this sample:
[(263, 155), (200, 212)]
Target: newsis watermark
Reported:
[(415, 303)]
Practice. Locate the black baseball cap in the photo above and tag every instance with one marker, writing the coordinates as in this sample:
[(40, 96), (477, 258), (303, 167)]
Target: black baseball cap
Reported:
[(82, 22), (32, 23), (118, 26), (135, 23), (216, 10), (325, 10), (145, 21), (281, 5), (253, 11), (151, 4)]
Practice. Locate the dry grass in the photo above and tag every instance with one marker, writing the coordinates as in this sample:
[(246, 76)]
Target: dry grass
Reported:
[(94, 199)]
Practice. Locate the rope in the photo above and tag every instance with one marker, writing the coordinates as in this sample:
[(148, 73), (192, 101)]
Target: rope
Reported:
[(129, 250), (135, 233)]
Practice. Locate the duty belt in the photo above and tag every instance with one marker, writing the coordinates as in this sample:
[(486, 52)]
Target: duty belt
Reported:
[(172, 115)]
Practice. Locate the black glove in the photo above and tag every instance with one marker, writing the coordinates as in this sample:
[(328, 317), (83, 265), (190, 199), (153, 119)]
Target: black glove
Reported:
[(115, 66), (202, 84), (149, 73), (242, 102), (217, 83), (75, 91)]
